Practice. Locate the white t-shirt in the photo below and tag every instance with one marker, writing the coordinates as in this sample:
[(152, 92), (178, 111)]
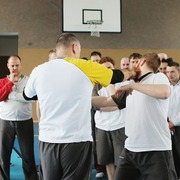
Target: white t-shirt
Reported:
[(111, 120), (146, 119), (174, 104), (64, 93)]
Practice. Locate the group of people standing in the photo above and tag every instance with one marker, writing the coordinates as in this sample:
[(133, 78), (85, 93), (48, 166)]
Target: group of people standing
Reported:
[(147, 115), (133, 121)]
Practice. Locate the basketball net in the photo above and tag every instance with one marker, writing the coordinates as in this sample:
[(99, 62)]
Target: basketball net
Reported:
[(94, 30), (93, 26)]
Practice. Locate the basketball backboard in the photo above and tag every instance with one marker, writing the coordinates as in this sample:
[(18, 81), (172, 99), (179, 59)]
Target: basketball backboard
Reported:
[(83, 15)]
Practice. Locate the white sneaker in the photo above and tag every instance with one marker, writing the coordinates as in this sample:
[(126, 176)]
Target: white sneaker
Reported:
[(100, 175)]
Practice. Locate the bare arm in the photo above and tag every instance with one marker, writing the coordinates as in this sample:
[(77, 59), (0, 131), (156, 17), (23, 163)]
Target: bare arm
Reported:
[(109, 108), (38, 113), (101, 101), (111, 90), (160, 91)]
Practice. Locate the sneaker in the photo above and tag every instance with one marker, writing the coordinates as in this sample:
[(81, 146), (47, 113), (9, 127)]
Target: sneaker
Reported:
[(100, 175)]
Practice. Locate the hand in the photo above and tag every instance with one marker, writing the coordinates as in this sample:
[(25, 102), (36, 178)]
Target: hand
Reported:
[(128, 88), (13, 77), (120, 92), (171, 125)]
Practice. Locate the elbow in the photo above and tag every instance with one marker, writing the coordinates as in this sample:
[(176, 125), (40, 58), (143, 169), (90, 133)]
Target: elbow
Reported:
[(25, 97), (166, 93), (29, 99), (165, 96)]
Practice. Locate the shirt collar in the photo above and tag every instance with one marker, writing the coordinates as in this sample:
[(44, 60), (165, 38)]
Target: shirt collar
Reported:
[(142, 77), (178, 83)]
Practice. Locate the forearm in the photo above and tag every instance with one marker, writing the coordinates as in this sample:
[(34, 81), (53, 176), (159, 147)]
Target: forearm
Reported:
[(38, 113), (160, 91), (101, 101), (5, 89), (109, 108)]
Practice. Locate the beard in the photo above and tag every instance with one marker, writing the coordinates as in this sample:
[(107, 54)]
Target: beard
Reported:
[(138, 71)]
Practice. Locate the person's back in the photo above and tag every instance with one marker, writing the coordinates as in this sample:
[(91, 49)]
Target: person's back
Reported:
[(64, 105), (64, 88)]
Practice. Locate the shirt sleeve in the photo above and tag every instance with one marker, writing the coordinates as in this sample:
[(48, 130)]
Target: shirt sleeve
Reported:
[(97, 73), (5, 88)]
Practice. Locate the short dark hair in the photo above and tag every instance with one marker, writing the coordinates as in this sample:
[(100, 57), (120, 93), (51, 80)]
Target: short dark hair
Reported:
[(135, 55), (173, 63), (152, 60), (66, 39), (14, 56), (96, 53), (168, 60)]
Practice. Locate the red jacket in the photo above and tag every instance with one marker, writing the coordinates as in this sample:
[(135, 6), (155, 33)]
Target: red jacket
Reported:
[(5, 88)]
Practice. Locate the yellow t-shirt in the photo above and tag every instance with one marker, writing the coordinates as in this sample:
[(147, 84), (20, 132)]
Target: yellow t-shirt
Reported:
[(97, 73)]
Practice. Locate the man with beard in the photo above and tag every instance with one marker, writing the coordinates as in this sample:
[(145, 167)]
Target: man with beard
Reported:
[(147, 153)]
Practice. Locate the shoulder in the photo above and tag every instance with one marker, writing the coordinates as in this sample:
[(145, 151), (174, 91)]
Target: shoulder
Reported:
[(161, 78), (159, 74), (78, 62), (84, 63), (39, 68), (89, 66)]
